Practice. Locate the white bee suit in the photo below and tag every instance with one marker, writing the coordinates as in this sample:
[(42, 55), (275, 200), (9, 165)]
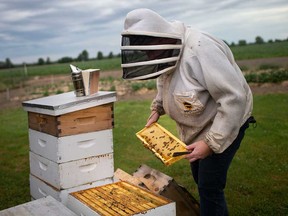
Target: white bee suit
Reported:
[(203, 89)]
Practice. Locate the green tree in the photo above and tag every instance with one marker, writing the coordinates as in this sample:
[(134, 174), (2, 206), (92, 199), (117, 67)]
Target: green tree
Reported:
[(41, 61), (259, 40), (110, 55), (65, 60), (83, 56), (2, 64), (8, 63), (48, 60), (242, 43), (99, 55)]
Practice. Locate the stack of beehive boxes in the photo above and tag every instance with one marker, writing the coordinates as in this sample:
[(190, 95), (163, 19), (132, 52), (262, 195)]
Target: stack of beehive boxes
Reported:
[(71, 143)]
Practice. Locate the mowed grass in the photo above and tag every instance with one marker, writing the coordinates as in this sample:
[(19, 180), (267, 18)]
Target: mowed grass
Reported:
[(14, 158), (267, 50), (257, 180)]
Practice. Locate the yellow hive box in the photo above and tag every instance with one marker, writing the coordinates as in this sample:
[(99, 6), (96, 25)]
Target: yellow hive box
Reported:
[(162, 143)]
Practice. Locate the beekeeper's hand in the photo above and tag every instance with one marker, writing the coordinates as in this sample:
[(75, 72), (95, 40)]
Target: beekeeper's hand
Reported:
[(154, 116), (199, 150)]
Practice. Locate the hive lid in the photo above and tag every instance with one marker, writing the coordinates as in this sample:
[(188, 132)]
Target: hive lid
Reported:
[(67, 102), (162, 143), (120, 198)]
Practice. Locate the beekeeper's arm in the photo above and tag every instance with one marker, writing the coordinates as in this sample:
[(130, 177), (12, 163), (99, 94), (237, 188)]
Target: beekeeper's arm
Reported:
[(156, 106)]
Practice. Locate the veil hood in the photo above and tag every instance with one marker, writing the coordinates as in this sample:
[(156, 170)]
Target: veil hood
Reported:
[(151, 45)]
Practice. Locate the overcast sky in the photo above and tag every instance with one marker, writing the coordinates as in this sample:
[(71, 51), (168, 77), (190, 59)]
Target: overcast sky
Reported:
[(33, 29)]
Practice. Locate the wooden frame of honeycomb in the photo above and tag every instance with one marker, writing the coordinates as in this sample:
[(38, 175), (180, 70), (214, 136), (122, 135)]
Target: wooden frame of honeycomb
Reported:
[(162, 143)]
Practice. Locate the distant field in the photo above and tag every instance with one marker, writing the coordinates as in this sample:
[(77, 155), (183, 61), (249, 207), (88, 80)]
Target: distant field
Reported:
[(268, 50), (64, 68), (253, 51), (14, 77)]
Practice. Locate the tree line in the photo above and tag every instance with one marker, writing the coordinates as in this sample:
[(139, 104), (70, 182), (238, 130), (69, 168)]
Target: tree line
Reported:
[(84, 55), (258, 40)]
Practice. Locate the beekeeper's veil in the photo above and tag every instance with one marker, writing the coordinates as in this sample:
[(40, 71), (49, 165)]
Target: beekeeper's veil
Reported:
[(151, 45)]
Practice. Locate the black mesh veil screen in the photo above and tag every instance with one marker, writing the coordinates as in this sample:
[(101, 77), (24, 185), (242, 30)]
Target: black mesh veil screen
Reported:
[(146, 55), (142, 40)]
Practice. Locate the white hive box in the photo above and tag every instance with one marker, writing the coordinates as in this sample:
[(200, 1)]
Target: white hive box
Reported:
[(40, 189), (71, 143), (120, 198), (69, 148), (47, 206), (73, 173)]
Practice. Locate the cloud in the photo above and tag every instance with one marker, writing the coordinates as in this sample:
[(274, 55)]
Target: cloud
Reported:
[(32, 29)]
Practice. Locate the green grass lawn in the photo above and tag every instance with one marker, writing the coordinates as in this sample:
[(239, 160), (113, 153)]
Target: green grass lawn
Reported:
[(267, 50), (257, 180)]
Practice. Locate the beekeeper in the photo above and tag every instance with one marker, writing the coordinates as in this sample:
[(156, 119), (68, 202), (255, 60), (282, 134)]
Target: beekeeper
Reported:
[(199, 86)]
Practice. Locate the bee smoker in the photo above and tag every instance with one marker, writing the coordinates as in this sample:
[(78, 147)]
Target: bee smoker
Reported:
[(78, 83)]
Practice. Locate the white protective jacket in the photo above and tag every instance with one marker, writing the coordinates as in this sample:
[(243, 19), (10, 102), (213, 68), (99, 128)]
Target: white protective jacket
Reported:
[(206, 94)]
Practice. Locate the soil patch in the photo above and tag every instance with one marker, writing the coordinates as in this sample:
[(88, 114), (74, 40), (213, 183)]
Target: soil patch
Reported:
[(253, 64)]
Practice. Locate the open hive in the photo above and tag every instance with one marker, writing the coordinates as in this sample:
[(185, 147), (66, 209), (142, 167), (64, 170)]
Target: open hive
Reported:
[(162, 143), (121, 198)]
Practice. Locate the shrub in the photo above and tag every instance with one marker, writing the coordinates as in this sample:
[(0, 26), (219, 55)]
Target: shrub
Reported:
[(251, 77), (59, 91), (271, 76), (244, 68), (136, 86), (150, 85), (268, 66), (112, 88)]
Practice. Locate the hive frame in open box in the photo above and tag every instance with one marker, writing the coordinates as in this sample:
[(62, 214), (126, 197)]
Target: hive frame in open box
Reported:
[(120, 198)]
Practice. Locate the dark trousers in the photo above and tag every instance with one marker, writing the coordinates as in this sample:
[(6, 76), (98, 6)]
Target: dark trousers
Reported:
[(210, 174)]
